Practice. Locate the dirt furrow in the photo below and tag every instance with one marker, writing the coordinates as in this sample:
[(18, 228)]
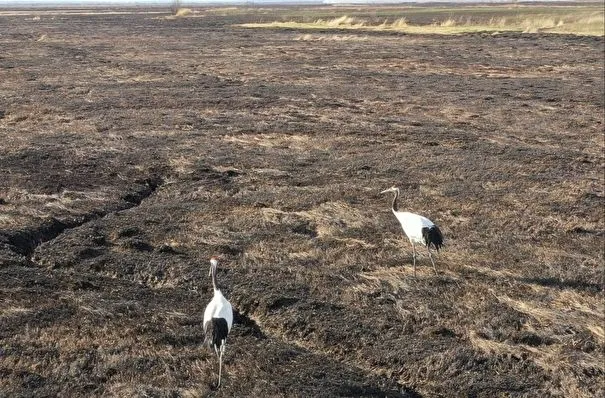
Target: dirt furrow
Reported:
[(24, 242)]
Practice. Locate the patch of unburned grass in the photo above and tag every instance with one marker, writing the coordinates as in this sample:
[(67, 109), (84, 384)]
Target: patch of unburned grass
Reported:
[(570, 20), (310, 37), (182, 13)]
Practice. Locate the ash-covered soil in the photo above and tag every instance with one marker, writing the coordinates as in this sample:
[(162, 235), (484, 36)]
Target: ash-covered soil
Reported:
[(134, 147)]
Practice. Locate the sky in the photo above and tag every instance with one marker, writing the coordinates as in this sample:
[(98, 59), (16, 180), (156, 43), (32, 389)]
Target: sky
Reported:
[(13, 3), (132, 2), (51, 3)]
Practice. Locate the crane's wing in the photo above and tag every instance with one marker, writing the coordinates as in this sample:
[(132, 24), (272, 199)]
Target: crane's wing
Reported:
[(215, 332), (227, 313), (432, 235)]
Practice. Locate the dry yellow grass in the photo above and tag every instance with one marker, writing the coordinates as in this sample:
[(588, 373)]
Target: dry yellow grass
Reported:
[(399, 23), (183, 12), (448, 23), (323, 37), (335, 22), (578, 22)]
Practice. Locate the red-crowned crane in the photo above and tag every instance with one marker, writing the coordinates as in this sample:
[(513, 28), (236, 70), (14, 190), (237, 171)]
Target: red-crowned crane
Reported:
[(218, 318), (418, 229)]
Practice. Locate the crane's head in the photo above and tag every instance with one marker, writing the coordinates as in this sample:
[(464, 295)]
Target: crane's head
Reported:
[(213, 264), (392, 189)]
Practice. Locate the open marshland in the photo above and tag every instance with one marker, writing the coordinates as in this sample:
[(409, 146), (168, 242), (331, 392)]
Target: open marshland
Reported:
[(135, 145)]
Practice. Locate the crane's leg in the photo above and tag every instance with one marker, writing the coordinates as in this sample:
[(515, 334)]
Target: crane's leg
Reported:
[(220, 362), (220, 365), (414, 257), (431, 257)]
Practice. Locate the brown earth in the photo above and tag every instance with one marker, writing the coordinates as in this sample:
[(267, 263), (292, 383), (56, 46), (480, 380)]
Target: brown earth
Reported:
[(134, 147)]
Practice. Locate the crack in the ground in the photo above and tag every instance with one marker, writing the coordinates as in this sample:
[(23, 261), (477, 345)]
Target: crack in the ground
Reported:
[(25, 241)]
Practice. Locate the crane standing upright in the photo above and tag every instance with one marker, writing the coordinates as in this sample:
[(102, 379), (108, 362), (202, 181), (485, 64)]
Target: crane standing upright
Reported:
[(417, 228), (218, 319)]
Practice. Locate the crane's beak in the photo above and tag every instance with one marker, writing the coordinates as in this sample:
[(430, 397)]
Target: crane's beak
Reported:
[(386, 190)]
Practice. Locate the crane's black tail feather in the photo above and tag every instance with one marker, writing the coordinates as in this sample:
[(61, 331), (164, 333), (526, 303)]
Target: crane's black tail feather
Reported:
[(433, 236), (216, 332)]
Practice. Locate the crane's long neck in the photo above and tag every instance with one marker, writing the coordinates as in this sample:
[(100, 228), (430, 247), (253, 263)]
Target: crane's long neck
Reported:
[(214, 285), (395, 205)]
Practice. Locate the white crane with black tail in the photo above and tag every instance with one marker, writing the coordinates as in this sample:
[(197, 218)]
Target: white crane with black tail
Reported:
[(218, 318), (418, 229)]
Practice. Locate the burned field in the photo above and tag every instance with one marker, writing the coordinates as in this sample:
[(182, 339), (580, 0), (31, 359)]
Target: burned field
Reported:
[(134, 147)]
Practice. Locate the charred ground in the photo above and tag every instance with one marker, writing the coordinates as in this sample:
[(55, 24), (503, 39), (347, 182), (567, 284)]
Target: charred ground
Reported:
[(135, 146)]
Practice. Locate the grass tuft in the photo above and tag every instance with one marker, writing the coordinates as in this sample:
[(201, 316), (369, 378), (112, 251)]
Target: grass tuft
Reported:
[(344, 21), (448, 23), (183, 12), (399, 23)]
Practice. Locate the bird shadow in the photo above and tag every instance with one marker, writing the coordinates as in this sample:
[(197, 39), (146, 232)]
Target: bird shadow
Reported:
[(247, 326)]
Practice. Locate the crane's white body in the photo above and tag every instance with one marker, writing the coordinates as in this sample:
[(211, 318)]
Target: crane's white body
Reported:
[(218, 312), (412, 225), (417, 228), (219, 307)]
